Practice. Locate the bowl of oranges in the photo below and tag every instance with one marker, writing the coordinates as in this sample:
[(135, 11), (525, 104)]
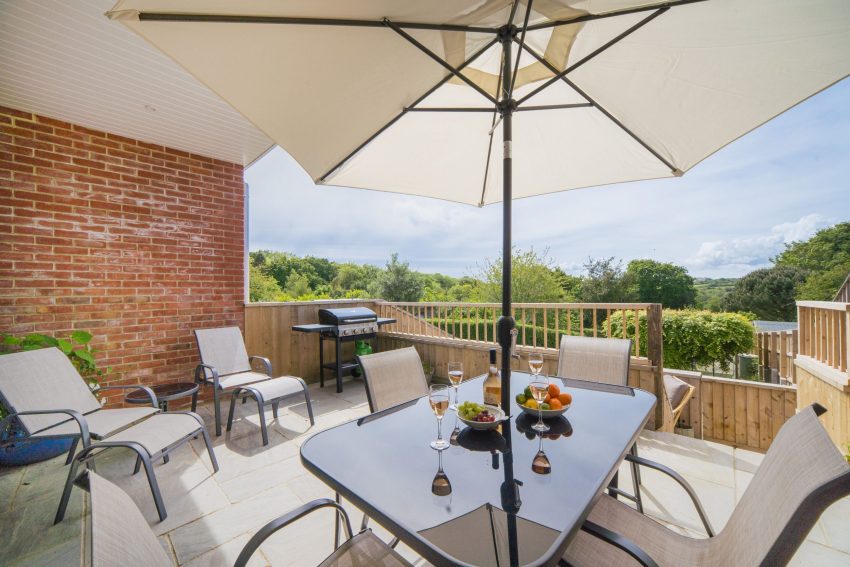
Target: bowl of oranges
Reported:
[(555, 404)]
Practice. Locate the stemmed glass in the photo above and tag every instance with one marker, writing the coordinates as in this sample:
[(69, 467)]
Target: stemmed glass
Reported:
[(535, 362), (539, 390), (441, 486), (456, 377), (438, 397), (540, 464)]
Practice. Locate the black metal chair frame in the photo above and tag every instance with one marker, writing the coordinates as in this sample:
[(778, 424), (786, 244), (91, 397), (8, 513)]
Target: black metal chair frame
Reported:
[(251, 391), (88, 454)]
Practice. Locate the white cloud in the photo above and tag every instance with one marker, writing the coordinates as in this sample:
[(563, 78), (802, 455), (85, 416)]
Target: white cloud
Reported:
[(750, 252)]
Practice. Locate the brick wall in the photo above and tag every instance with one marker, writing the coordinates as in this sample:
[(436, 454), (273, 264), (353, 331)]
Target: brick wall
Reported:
[(137, 243)]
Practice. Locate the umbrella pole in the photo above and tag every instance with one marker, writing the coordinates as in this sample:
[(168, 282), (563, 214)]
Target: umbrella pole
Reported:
[(506, 321)]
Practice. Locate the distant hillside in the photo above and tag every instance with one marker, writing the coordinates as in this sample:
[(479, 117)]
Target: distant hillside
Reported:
[(710, 291)]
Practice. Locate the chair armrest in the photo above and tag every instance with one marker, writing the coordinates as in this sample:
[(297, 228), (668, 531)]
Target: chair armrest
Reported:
[(620, 542), (201, 377), (266, 363), (147, 390), (287, 519), (684, 484), (75, 415)]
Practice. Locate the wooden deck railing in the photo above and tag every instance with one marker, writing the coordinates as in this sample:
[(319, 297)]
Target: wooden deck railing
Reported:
[(777, 351), (824, 332), (843, 295), (539, 325)]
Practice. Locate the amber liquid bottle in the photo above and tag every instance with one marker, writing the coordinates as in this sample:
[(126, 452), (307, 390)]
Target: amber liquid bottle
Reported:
[(493, 383)]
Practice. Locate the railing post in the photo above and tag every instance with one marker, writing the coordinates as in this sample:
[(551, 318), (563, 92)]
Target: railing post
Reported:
[(655, 354)]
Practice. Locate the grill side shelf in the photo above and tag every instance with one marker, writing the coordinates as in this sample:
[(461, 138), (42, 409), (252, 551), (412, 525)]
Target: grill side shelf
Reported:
[(313, 328)]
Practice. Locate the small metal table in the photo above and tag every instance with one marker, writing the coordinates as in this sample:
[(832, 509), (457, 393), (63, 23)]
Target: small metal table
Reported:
[(164, 393)]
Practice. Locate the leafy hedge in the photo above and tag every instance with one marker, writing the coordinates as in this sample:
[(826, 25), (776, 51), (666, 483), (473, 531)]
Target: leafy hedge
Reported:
[(693, 337)]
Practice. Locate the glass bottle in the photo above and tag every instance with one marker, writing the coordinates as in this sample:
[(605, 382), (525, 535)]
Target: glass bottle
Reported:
[(493, 383)]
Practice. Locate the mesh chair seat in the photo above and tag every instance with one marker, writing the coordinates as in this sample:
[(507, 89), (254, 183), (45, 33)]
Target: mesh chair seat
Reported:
[(120, 535), (800, 476), (160, 431), (102, 423), (393, 377), (365, 550), (242, 378), (595, 359)]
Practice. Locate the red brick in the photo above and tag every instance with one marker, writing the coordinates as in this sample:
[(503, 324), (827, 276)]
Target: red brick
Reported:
[(108, 234)]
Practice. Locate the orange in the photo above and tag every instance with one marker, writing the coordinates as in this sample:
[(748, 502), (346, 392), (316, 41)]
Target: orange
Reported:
[(548, 397), (531, 403), (566, 399), (555, 404), (554, 391)]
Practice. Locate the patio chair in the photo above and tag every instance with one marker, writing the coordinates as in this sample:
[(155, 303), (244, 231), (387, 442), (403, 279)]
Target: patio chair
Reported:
[(226, 366), (607, 361), (800, 476), (393, 377), (677, 394), (120, 535), (48, 397)]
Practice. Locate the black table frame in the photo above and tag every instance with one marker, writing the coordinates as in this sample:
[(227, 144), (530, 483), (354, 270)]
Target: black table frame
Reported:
[(423, 547), (163, 399)]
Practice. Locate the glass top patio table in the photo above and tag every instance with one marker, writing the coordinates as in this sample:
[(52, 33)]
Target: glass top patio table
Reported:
[(498, 511)]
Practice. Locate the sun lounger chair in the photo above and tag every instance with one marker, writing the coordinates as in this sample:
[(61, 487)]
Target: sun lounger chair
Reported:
[(225, 365), (49, 398)]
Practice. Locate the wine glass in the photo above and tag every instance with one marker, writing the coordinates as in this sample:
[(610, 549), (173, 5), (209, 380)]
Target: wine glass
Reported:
[(441, 486), (456, 377), (438, 397), (540, 464), (539, 390), (535, 362)]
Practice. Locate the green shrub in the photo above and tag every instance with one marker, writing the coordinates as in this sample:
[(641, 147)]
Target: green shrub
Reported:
[(693, 337)]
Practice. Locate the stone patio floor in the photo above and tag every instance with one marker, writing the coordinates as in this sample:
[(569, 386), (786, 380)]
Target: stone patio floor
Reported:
[(211, 517)]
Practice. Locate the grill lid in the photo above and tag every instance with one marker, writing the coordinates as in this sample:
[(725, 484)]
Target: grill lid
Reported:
[(346, 316)]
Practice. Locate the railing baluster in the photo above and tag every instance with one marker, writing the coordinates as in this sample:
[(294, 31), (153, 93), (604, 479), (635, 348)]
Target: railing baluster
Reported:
[(545, 328), (557, 331), (581, 321), (625, 323), (595, 324), (637, 332), (569, 322), (608, 318)]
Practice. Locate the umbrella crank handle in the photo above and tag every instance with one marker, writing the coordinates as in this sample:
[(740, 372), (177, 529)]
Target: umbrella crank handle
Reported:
[(514, 333)]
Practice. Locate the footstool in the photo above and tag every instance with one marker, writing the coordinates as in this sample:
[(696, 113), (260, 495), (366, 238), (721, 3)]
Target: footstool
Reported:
[(270, 392)]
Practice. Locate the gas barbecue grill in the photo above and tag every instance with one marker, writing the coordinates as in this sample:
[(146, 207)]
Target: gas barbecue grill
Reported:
[(342, 325)]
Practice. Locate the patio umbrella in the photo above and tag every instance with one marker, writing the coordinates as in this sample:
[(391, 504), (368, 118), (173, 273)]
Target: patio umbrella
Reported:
[(426, 98)]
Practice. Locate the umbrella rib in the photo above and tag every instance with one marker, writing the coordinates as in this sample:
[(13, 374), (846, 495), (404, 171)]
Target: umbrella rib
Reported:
[(248, 19), (510, 92), (593, 54), (416, 43), (591, 17), (675, 170), (405, 110), (493, 123), (447, 109), (555, 106)]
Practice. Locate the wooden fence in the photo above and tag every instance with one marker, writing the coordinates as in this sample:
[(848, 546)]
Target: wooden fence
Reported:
[(777, 351), (843, 295), (823, 332)]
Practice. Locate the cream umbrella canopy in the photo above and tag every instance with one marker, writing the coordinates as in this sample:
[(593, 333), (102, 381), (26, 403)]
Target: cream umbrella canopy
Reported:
[(426, 98)]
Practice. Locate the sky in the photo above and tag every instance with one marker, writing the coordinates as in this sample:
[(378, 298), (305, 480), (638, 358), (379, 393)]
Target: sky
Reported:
[(726, 217)]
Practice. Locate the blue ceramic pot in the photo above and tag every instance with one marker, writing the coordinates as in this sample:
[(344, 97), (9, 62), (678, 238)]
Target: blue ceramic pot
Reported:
[(29, 452)]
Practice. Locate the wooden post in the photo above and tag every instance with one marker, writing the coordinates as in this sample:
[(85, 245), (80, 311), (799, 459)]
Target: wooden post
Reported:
[(655, 353)]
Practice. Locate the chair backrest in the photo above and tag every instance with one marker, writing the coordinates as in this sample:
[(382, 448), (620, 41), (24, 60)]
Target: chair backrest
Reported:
[(120, 535), (800, 476), (393, 377), (223, 349), (595, 359), (43, 379)]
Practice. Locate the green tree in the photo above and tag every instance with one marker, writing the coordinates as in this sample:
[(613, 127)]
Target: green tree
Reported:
[(533, 279), (826, 259), (297, 285), (399, 283), (605, 282), (262, 287), (769, 293), (660, 282)]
